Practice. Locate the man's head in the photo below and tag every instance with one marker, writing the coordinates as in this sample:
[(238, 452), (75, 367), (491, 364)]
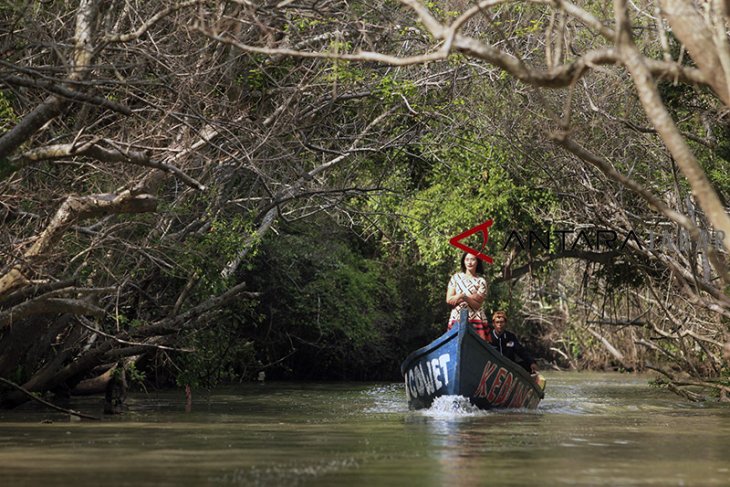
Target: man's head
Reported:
[(499, 320)]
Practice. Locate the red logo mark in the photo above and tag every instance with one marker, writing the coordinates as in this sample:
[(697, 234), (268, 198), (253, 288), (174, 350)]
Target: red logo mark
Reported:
[(482, 227)]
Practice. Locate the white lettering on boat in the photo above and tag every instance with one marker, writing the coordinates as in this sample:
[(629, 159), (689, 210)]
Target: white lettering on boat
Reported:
[(443, 360), (436, 371), (427, 377)]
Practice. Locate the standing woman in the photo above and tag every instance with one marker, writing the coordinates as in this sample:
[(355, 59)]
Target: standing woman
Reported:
[(467, 290)]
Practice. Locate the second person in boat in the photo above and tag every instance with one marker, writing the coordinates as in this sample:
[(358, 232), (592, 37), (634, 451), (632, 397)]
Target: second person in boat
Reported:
[(508, 344)]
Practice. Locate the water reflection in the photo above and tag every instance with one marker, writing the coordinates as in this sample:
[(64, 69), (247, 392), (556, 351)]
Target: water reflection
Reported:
[(592, 429), (595, 432), (473, 446), (457, 450)]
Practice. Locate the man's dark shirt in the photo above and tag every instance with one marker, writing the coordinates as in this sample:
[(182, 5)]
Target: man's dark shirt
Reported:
[(509, 346)]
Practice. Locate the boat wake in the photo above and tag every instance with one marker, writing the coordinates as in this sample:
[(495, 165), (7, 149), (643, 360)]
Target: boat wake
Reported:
[(452, 406)]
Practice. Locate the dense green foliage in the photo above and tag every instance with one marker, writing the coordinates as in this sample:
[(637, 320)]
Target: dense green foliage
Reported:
[(325, 299)]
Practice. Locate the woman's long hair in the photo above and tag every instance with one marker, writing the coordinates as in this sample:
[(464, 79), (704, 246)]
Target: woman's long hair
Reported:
[(480, 266)]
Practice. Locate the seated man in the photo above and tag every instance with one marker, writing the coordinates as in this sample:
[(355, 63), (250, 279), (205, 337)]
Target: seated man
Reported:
[(507, 344)]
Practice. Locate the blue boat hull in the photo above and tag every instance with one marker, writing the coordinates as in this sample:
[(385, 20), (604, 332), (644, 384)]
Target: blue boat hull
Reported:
[(460, 363)]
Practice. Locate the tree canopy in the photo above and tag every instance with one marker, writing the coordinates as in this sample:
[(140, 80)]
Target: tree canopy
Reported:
[(206, 189)]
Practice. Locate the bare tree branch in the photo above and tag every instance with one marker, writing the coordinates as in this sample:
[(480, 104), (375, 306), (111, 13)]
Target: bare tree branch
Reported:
[(95, 150), (46, 403), (57, 88)]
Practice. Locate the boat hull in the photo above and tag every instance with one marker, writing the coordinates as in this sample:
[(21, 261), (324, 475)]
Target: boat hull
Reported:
[(460, 363)]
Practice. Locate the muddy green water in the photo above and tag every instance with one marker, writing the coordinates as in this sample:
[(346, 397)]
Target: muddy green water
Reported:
[(591, 429)]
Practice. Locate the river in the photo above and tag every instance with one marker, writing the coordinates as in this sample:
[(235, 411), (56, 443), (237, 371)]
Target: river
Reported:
[(591, 429)]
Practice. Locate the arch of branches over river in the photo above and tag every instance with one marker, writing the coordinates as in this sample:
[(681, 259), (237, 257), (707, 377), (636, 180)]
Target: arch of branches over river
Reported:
[(148, 150)]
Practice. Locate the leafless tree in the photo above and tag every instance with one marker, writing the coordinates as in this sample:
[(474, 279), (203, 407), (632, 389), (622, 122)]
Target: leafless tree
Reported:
[(133, 143)]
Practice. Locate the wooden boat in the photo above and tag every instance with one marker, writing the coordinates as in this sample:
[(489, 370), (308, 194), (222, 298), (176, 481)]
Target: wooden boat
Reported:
[(460, 363)]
